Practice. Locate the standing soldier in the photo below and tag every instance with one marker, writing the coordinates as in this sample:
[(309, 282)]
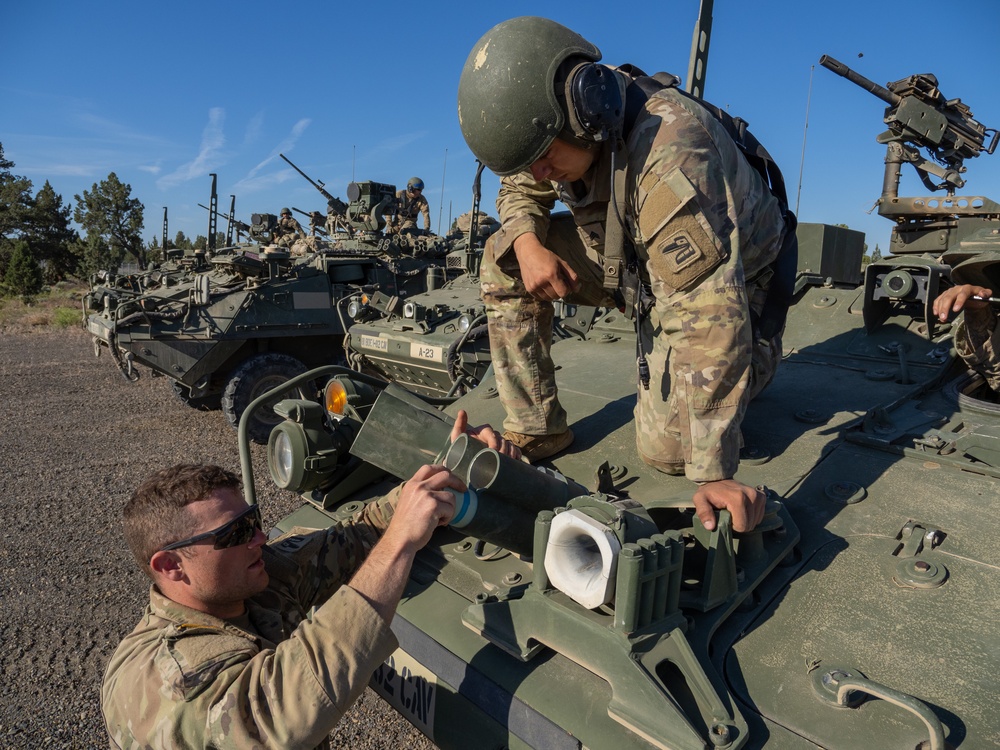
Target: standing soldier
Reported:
[(288, 229), (669, 220), (409, 203)]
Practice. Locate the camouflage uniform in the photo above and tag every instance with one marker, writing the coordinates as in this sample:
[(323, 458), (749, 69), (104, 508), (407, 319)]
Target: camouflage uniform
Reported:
[(407, 209), (977, 344), (706, 229), (287, 231), (278, 677)]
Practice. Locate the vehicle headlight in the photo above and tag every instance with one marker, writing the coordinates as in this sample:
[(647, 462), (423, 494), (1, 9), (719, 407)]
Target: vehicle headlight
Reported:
[(287, 449), (409, 310), (463, 323), (281, 459), (353, 308)]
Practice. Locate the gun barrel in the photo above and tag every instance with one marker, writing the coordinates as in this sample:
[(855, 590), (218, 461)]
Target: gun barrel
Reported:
[(310, 180), (859, 80)]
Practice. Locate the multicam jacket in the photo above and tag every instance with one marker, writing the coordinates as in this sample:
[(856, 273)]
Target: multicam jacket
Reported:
[(289, 227), (407, 209), (976, 343), (278, 678), (705, 225)]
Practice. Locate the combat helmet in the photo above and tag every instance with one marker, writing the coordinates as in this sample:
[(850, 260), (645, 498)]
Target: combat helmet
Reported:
[(414, 183), (286, 211), (508, 107)]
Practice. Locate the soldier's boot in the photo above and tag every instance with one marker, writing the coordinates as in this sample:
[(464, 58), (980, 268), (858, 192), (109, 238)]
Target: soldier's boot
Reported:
[(536, 447)]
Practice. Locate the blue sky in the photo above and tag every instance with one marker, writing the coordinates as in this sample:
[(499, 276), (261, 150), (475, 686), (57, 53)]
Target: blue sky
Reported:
[(162, 94)]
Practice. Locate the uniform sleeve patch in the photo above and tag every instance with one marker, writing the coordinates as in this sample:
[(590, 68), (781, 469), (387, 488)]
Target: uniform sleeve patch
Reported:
[(680, 252)]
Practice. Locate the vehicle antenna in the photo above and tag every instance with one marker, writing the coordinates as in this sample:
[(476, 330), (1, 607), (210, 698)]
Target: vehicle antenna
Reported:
[(805, 130), (441, 207)]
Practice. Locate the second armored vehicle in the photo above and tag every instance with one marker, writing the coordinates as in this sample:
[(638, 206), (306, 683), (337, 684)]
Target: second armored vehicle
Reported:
[(228, 327)]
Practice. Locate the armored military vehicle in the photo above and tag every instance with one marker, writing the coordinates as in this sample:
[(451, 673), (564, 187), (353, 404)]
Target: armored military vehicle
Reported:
[(227, 325), (582, 604), (434, 343)]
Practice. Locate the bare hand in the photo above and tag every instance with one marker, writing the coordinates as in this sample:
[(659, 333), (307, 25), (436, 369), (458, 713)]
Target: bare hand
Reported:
[(546, 276), (424, 503), (484, 434), (952, 300), (745, 503)]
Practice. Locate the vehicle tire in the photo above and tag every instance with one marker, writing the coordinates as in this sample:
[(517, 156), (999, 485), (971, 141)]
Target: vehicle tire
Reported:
[(254, 377), (211, 402)]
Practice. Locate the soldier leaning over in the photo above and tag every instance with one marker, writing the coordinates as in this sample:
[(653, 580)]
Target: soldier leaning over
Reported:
[(409, 203), (226, 654), (653, 180)]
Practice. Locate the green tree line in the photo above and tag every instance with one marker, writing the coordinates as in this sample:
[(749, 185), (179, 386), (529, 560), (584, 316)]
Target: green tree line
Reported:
[(39, 244)]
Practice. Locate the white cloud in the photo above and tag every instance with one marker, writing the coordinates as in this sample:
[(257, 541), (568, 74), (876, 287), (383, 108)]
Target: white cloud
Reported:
[(254, 128), (286, 144), (151, 168), (209, 156), (398, 143), (253, 183)]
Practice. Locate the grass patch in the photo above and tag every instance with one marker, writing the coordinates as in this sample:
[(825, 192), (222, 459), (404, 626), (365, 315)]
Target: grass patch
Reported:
[(57, 307), (64, 317)]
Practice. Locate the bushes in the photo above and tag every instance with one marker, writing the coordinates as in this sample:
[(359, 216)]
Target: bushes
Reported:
[(23, 277), (58, 307)]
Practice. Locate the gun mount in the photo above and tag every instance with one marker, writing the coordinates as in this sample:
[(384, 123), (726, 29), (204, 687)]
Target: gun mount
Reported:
[(369, 204), (920, 117), (930, 234)]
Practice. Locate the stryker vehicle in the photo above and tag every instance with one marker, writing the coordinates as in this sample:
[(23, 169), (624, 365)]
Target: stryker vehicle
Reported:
[(581, 603), (228, 325), (434, 343)]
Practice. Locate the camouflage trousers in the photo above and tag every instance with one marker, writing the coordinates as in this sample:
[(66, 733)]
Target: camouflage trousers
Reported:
[(520, 326), (689, 419)]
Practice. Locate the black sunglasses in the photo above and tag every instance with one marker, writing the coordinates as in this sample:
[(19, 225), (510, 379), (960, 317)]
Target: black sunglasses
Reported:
[(238, 531)]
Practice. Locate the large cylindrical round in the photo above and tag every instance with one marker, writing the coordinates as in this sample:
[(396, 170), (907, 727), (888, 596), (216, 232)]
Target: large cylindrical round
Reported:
[(519, 484), (492, 521), (458, 456)]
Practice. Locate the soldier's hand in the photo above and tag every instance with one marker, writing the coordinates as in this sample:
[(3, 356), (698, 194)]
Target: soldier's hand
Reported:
[(425, 502), (546, 276), (953, 300), (484, 434), (745, 503)]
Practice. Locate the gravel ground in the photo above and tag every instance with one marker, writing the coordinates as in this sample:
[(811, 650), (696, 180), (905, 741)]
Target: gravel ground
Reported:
[(75, 440)]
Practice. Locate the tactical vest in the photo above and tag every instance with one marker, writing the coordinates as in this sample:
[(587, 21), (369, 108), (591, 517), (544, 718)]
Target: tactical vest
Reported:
[(621, 271)]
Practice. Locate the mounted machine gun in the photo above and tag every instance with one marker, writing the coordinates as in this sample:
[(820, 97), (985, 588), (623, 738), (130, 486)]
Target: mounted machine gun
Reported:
[(933, 234)]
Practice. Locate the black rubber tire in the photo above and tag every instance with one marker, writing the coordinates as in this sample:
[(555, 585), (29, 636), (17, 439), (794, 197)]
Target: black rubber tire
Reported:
[(253, 377), (211, 402)]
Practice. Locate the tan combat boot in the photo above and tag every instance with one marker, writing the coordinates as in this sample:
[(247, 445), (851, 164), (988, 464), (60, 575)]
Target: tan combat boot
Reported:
[(536, 447)]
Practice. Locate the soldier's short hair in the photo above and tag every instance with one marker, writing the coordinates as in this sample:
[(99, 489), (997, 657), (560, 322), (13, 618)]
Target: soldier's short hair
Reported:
[(154, 516)]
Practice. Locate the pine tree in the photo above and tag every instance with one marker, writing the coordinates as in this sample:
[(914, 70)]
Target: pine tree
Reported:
[(24, 276), (97, 255), (15, 206), (181, 242), (108, 211), (51, 236)]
